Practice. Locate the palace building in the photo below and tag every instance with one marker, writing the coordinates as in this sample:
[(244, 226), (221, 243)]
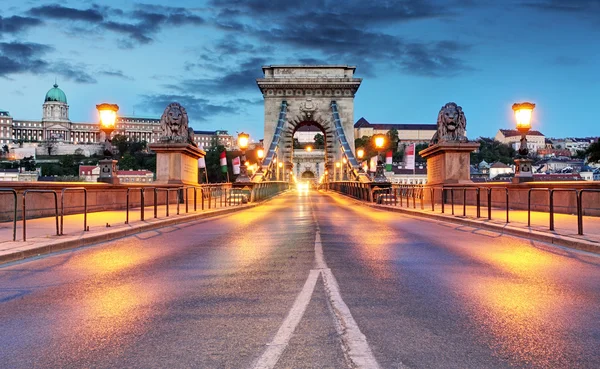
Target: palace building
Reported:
[(57, 127)]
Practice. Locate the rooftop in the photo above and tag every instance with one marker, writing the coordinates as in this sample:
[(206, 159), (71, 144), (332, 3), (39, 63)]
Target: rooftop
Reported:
[(363, 123), (514, 132)]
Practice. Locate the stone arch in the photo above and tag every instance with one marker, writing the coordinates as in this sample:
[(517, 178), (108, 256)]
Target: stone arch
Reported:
[(308, 174)]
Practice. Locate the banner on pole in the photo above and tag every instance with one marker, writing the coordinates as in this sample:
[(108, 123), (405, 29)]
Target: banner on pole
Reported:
[(201, 163), (236, 165), (388, 161), (409, 156), (223, 161)]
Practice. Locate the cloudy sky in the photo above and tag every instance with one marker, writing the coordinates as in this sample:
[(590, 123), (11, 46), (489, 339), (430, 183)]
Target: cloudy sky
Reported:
[(413, 56)]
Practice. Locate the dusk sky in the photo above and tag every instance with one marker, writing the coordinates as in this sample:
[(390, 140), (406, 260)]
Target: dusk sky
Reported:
[(414, 56)]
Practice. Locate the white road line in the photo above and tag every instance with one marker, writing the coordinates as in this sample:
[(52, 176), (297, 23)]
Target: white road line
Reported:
[(274, 350), (355, 345)]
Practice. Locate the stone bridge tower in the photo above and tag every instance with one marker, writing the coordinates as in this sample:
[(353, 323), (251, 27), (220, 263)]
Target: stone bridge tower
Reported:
[(319, 95)]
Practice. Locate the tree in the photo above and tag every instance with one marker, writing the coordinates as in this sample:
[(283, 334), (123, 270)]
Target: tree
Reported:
[(319, 141), (5, 149), (492, 151), (127, 162), (121, 143), (593, 152), (393, 138), (28, 164), (418, 148)]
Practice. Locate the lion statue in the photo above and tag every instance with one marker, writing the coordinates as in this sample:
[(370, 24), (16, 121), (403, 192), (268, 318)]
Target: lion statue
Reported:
[(451, 125), (174, 124)]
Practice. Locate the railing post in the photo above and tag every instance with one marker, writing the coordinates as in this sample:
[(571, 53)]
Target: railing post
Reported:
[(127, 207), (579, 212), (142, 203), (551, 205), (489, 196), (155, 205), (507, 206), (478, 194)]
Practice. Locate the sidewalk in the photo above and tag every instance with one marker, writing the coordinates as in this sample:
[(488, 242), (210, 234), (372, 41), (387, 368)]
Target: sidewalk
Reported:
[(565, 225), (103, 226)]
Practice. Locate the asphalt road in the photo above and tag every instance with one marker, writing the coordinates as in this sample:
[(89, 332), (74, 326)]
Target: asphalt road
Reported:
[(304, 281)]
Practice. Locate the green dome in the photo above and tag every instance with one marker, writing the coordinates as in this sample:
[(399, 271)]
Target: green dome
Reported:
[(56, 94)]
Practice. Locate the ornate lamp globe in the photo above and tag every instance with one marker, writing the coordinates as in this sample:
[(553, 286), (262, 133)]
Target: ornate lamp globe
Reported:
[(379, 140), (260, 153), (243, 139), (108, 117), (360, 153), (523, 112)]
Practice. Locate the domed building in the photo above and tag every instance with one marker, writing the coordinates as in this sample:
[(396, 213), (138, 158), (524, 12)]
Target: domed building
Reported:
[(55, 116)]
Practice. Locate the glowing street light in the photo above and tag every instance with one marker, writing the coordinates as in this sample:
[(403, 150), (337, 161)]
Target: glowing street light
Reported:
[(260, 153), (523, 112), (360, 154), (108, 167), (243, 140), (379, 140), (308, 148)]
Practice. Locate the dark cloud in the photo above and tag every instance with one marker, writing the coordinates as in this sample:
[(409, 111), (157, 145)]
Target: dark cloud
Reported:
[(241, 79), (24, 57), (139, 25), (17, 24), (115, 73), (575, 6), (56, 11), (198, 109), (354, 33)]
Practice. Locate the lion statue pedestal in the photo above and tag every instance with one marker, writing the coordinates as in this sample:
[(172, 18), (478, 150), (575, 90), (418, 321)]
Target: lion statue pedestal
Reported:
[(176, 153), (449, 152)]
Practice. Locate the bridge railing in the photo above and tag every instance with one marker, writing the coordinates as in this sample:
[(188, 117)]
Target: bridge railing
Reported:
[(540, 197), (41, 200)]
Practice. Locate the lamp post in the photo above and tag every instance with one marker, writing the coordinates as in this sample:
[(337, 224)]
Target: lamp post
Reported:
[(108, 166), (337, 170), (523, 165), (360, 154), (379, 140), (243, 139), (308, 148), (280, 165), (261, 154), (344, 169)]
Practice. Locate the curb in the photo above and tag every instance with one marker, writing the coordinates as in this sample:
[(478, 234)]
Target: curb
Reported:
[(554, 239), (67, 244)]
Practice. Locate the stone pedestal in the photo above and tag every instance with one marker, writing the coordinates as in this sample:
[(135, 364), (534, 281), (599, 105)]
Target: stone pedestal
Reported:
[(449, 162), (108, 171), (523, 172), (177, 163)]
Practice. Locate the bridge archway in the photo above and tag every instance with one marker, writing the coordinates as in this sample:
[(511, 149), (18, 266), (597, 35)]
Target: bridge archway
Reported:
[(320, 95), (307, 174)]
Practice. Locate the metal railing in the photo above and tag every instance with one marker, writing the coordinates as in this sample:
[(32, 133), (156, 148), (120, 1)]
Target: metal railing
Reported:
[(396, 194), (62, 207), (6, 191), (24, 210)]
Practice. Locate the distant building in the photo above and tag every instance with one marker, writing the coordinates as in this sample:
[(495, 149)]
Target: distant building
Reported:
[(18, 175), (578, 144), (558, 165), (90, 173), (407, 133), (210, 139), (407, 176), (57, 129), (499, 169), (535, 139), (306, 134), (590, 174)]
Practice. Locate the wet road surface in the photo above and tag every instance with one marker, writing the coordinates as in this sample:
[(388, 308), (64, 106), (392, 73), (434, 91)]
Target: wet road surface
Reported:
[(304, 281)]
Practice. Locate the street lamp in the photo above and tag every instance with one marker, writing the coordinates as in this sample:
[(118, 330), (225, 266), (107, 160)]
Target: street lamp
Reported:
[(379, 140), (523, 112), (308, 148), (336, 170), (261, 154), (360, 154), (280, 165), (345, 169), (243, 139), (108, 166)]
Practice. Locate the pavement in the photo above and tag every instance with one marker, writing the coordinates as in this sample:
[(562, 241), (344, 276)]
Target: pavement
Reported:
[(564, 233), (103, 226), (109, 225), (304, 281)]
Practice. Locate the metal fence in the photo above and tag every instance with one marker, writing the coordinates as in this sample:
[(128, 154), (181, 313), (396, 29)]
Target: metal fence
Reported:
[(415, 196)]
